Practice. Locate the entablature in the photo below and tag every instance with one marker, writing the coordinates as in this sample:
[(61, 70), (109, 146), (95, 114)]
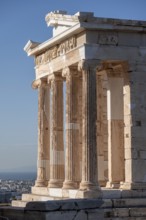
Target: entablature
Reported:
[(84, 21)]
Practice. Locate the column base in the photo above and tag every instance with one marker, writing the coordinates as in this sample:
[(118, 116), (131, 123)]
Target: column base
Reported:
[(70, 185), (86, 185), (133, 186), (59, 193), (113, 185), (40, 183), (94, 194), (55, 184)]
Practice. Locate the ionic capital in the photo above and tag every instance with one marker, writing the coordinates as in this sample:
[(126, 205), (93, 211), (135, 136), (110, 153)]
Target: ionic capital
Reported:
[(115, 68), (54, 78), (88, 65), (69, 72), (66, 72), (39, 83)]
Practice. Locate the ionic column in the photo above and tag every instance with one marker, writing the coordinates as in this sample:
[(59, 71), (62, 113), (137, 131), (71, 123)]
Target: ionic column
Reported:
[(72, 154), (100, 131), (89, 186), (56, 145), (43, 132)]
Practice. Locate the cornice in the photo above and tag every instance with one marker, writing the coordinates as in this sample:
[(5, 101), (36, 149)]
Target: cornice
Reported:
[(30, 45), (79, 22), (53, 41)]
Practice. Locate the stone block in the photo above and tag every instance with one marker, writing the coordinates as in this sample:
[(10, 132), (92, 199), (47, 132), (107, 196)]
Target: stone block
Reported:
[(128, 168), (71, 205), (72, 193), (127, 120), (138, 132), (95, 214), (122, 203), (108, 213), (140, 68), (64, 215), (111, 193), (89, 203), (130, 194), (127, 140), (124, 39), (39, 190), (55, 192), (131, 153), (43, 206), (18, 203), (138, 212), (123, 212), (142, 154), (107, 203), (139, 143), (95, 194), (34, 197), (139, 172), (116, 212), (125, 218), (81, 215)]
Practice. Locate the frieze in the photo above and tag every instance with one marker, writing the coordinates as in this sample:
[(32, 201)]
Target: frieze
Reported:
[(56, 51), (108, 38)]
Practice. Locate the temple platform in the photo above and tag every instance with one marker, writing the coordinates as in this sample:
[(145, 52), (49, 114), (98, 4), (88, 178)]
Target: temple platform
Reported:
[(121, 207), (45, 194)]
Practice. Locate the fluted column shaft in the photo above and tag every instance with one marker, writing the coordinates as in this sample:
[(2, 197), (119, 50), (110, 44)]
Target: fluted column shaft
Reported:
[(56, 146), (89, 116), (43, 133), (72, 155)]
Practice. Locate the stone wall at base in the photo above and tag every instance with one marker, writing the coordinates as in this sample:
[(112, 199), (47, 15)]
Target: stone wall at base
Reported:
[(57, 210), (79, 209)]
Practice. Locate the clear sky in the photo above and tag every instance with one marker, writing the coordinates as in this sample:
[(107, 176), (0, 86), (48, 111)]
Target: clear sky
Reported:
[(20, 21)]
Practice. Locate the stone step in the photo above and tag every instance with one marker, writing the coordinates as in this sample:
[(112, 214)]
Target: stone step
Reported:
[(133, 202), (126, 218), (34, 197), (71, 193), (94, 214), (124, 203), (107, 203), (132, 211), (55, 192), (29, 198), (120, 194), (125, 213), (18, 203)]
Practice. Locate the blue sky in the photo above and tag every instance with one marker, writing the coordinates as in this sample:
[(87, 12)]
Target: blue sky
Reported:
[(20, 21)]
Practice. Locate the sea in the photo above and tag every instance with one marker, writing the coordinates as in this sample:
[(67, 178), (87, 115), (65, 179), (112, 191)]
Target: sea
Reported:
[(17, 175)]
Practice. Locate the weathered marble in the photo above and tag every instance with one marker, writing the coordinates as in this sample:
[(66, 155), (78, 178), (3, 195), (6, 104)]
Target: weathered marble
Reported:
[(73, 151), (56, 145), (43, 133), (101, 141)]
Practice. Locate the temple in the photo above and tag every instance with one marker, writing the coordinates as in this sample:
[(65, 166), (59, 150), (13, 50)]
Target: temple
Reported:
[(91, 82)]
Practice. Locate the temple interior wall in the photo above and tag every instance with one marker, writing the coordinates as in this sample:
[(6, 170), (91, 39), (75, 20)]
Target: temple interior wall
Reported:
[(137, 106), (115, 129)]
